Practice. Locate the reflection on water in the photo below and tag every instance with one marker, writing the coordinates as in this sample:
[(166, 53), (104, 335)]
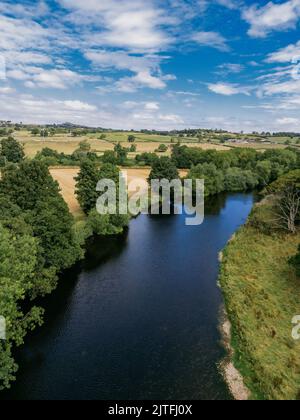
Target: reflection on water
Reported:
[(138, 319)]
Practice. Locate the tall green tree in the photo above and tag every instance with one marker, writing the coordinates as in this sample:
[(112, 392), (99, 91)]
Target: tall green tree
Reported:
[(213, 177), (163, 168), (86, 184), (11, 150), (18, 259)]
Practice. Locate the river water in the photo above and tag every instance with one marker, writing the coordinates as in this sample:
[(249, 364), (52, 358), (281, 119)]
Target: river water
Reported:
[(139, 318)]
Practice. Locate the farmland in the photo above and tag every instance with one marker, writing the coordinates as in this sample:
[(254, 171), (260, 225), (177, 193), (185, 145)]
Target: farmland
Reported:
[(66, 179), (67, 144)]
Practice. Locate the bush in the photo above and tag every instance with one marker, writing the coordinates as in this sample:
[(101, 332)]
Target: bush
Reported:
[(107, 224), (162, 148)]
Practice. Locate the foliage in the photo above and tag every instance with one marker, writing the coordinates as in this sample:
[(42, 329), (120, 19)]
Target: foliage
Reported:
[(237, 179), (163, 168), (213, 177), (107, 224), (18, 259), (147, 159), (109, 157), (121, 154), (11, 150), (162, 148), (38, 240), (131, 138), (132, 148), (87, 180)]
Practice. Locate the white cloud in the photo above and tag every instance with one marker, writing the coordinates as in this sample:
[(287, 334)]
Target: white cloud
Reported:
[(6, 89), (291, 53), (210, 39), (38, 77), (272, 17), (79, 106), (185, 93), (288, 121), (146, 69), (152, 106), (131, 24), (228, 68), (171, 118), (228, 89), (230, 4), (290, 86)]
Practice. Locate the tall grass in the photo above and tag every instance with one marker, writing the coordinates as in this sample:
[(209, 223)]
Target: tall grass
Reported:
[(262, 295)]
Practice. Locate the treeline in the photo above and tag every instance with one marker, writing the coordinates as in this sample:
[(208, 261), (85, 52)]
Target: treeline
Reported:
[(227, 171), (38, 235), (38, 241), (236, 169), (118, 156)]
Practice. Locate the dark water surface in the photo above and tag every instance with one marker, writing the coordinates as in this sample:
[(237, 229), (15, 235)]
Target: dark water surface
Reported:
[(139, 319)]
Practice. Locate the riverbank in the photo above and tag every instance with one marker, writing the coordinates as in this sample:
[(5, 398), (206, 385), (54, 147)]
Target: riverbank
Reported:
[(261, 294)]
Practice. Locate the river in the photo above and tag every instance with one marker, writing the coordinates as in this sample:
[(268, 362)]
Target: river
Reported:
[(138, 319)]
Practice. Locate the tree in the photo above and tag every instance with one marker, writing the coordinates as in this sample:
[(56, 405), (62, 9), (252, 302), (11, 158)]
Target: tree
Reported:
[(18, 259), (146, 159), (83, 151), (237, 179), (35, 131), (11, 150), (162, 148), (131, 138), (287, 200), (53, 225), (110, 157), (132, 148), (108, 224), (44, 133), (288, 207), (163, 168), (86, 184), (28, 184), (121, 153), (84, 146), (33, 190), (213, 178)]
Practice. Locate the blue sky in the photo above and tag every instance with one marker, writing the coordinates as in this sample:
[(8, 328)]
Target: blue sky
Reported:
[(163, 64)]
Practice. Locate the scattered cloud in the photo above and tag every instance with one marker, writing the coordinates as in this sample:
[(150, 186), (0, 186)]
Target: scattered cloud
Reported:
[(133, 25), (288, 121), (272, 17), (211, 39), (227, 89), (230, 68), (289, 54)]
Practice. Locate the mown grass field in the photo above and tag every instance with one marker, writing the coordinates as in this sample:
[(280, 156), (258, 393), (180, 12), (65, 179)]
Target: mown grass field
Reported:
[(262, 295), (66, 179)]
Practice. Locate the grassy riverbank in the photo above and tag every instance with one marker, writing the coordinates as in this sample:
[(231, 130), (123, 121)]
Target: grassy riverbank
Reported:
[(262, 292)]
